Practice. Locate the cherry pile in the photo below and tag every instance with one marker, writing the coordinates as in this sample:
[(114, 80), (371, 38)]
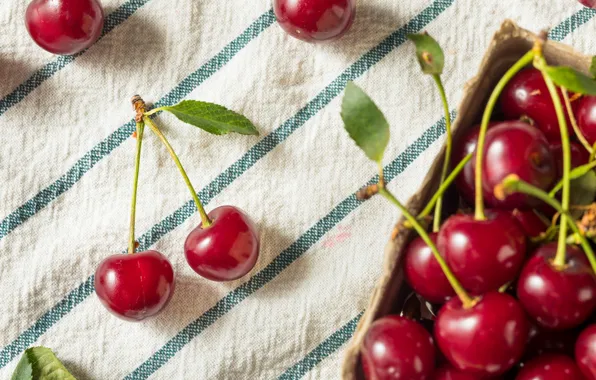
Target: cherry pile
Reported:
[(513, 282)]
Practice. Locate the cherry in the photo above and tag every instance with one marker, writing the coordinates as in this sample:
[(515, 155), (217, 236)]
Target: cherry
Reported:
[(526, 95), (227, 250), (557, 298), (579, 156), (448, 372), (135, 287), (64, 26), (424, 274), (585, 352), (532, 225), (469, 337), (550, 367), (513, 147), (465, 179), (542, 341), (397, 348), (588, 3), (483, 255), (586, 118), (315, 20)]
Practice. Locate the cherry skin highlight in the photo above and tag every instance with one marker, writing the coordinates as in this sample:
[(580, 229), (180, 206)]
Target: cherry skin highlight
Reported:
[(64, 26), (424, 274), (227, 250), (557, 299), (397, 348), (585, 352), (135, 287), (468, 337), (550, 367), (483, 255), (315, 20)]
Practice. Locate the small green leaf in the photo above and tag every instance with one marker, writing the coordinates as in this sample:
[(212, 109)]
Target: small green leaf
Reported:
[(575, 173), (364, 122), (429, 53), (40, 363), (210, 117), (583, 191), (571, 79), (593, 67)]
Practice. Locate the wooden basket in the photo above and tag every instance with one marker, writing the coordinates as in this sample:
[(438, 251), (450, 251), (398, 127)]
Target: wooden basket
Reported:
[(506, 47)]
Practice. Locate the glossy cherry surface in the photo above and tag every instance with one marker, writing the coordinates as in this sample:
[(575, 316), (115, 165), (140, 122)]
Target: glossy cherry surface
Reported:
[(397, 348), (550, 367), (228, 249), (465, 180), (585, 352), (530, 222), (588, 3), (579, 156), (526, 95), (134, 287), (483, 255), (315, 20), (424, 274), (586, 117), (469, 337), (64, 26), (557, 298), (447, 372), (514, 147)]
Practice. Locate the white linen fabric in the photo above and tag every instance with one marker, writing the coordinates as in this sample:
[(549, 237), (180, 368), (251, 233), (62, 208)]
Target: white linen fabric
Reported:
[(66, 167)]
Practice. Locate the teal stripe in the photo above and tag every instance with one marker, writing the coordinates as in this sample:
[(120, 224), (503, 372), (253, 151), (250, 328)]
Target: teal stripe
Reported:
[(117, 17), (322, 351), (105, 147)]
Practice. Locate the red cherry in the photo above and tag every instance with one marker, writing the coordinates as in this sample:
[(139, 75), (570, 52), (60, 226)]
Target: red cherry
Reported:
[(465, 180), (514, 147), (588, 3), (530, 222), (579, 156), (315, 20), (447, 372), (586, 118), (483, 255), (64, 26), (135, 287), (585, 352), (550, 367), (527, 95), (227, 250), (397, 348), (469, 337), (424, 274), (543, 341), (557, 298)]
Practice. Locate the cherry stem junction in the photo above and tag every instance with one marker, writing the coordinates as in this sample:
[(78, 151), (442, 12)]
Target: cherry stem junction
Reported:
[(492, 101), (206, 222), (133, 202)]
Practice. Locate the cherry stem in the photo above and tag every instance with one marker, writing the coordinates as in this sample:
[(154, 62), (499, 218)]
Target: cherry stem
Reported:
[(465, 298), (449, 144), (492, 101), (578, 133), (135, 185), (206, 222), (513, 184)]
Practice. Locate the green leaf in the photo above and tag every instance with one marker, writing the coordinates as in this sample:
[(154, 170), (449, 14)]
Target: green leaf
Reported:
[(429, 53), (575, 173), (364, 122), (593, 67), (210, 117), (40, 363), (583, 191), (571, 79)]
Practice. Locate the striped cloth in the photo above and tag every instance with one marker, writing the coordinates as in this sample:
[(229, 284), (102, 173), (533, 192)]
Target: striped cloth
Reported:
[(66, 167)]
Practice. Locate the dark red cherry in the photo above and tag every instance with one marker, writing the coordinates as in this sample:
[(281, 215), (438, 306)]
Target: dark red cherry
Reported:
[(424, 274), (532, 224), (397, 348), (447, 372), (514, 147), (586, 117), (526, 95), (64, 26), (579, 155), (588, 3), (134, 287), (468, 337), (483, 255), (543, 341), (465, 180), (550, 367), (315, 20), (555, 298), (227, 250), (585, 352)]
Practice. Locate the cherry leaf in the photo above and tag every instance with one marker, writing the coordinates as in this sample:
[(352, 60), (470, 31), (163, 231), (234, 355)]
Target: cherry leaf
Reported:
[(210, 117), (40, 363), (583, 191), (429, 53), (571, 79), (364, 122)]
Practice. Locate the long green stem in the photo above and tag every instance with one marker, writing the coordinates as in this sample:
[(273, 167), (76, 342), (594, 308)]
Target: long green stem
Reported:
[(135, 185), (512, 184), (492, 101), (465, 298), (449, 144), (206, 222), (578, 133)]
